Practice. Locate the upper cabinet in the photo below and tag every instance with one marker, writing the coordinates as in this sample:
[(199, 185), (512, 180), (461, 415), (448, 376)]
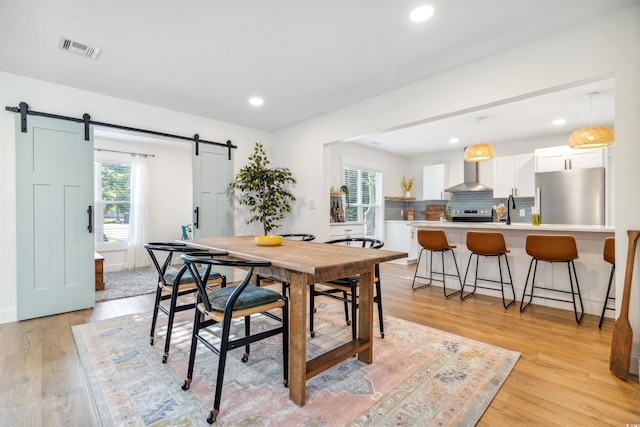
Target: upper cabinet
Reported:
[(434, 181), (514, 175), (563, 157)]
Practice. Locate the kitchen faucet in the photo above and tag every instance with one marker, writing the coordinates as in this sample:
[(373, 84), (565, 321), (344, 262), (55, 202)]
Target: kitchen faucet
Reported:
[(513, 205)]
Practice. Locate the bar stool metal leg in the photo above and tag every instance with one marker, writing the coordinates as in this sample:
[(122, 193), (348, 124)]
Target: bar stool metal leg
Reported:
[(533, 263), (572, 266), (415, 274), (444, 284), (609, 255), (513, 291), (464, 282), (607, 297)]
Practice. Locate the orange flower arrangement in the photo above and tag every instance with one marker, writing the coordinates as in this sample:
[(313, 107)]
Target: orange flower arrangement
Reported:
[(407, 185)]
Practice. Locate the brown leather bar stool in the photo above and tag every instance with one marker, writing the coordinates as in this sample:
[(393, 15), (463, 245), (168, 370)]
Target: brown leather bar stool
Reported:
[(488, 244), (435, 241), (553, 248), (609, 255)]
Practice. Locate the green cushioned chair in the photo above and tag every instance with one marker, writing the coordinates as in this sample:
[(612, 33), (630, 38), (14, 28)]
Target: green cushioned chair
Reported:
[(173, 284), (221, 306)]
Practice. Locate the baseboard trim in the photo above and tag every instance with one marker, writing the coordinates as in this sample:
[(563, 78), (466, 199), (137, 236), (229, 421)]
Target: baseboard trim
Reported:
[(9, 315)]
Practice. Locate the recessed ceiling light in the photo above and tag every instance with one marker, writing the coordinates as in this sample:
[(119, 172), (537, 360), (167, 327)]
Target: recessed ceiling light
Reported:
[(559, 122), (421, 13), (256, 101), (454, 141)]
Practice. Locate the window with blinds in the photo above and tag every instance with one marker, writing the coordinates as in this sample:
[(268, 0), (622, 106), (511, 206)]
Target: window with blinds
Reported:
[(363, 200), (112, 203)]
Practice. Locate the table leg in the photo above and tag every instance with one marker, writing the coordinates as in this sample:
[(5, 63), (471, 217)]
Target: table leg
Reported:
[(298, 338), (365, 315)]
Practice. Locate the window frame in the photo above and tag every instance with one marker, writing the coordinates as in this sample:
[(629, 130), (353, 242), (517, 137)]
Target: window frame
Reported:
[(110, 158), (360, 165)]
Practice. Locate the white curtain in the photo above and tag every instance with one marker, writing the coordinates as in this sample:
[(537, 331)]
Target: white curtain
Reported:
[(136, 253)]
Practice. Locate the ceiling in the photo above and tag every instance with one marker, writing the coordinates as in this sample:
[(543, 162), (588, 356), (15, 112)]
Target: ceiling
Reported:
[(305, 58), (523, 119)]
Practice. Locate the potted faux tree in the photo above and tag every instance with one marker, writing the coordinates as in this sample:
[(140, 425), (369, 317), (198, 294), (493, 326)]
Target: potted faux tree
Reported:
[(264, 189)]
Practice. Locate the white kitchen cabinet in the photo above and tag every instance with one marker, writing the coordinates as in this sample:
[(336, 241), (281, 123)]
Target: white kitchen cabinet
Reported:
[(582, 158), (434, 181), (397, 237), (563, 157), (344, 230), (514, 175)]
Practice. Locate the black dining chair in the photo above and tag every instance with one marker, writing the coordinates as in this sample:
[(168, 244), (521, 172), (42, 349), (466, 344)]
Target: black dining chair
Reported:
[(221, 306), (346, 289), (172, 284), (299, 236)]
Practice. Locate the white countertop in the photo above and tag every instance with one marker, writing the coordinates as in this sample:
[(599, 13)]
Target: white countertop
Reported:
[(514, 226)]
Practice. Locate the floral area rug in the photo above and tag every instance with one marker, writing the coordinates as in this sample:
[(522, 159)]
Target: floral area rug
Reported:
[(420, 376)]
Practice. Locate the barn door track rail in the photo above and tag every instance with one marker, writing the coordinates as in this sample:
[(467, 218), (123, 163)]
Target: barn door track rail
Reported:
[(24, 111)]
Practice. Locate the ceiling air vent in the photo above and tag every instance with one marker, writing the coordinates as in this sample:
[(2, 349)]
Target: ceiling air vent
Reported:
[(78, 48)]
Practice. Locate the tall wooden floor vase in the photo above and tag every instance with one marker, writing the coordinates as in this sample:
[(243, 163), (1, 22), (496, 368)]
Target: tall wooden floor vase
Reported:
[(620, 358)]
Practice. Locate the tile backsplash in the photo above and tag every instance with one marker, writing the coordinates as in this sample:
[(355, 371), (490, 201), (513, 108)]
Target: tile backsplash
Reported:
[(397, 209)]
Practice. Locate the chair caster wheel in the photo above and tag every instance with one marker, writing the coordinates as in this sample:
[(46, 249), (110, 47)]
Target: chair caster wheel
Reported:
[(186, 384), (313, 334), (245, 357), (348, 322), (165, 357), (212, 417), (382, 334), (151, 341)]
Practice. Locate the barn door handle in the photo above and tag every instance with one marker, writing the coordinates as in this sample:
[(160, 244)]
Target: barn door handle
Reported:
[(196, 220), (90, 226)]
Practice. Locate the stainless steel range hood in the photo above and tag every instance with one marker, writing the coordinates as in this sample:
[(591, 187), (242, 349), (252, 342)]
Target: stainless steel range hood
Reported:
[(470, 180)]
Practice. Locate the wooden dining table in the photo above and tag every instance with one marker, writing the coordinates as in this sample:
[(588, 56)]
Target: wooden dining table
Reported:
[(301, 264)]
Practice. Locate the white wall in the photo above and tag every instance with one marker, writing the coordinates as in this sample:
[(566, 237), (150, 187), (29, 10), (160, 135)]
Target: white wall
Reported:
[(605, 47), (50, 98), (391, 166)]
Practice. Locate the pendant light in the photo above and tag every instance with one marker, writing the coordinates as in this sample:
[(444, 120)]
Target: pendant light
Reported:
[(479, 152), (591, 136)]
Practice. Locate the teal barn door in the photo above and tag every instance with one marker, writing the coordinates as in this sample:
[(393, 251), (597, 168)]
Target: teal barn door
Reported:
[(213, 206), (54, 200)]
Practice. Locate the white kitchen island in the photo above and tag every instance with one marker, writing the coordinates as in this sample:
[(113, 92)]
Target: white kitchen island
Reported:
[(593, 272)]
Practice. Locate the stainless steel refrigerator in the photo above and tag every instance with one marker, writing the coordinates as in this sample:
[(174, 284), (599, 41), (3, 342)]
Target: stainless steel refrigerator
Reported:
[(573, 196)]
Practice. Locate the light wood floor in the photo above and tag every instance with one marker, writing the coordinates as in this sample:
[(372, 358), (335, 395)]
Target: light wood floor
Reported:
[(562, 377)]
